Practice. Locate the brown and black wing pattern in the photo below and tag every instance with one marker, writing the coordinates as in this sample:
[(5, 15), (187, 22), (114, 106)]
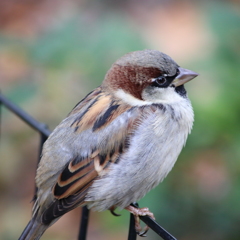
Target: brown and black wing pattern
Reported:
[(95, 112)]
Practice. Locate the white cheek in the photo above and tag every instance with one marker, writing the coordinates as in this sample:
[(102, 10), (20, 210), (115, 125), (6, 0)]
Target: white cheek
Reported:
[(161, 95), (150, 96), (131, 100)]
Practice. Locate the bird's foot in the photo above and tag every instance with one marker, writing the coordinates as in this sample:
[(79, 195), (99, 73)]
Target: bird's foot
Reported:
[(140, 212)]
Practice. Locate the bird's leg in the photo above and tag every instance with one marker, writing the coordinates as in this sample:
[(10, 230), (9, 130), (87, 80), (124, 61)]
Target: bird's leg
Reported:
[(140, 212)]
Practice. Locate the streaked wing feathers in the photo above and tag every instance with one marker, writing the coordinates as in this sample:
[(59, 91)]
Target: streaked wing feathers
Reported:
[(96, 112), (62, 206), (75, 180)]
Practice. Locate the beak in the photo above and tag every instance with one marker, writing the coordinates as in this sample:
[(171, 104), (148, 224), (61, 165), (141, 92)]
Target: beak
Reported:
[(184, 76)]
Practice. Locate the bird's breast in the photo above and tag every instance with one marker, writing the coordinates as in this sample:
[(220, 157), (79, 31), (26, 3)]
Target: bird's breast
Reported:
[(153, 150)]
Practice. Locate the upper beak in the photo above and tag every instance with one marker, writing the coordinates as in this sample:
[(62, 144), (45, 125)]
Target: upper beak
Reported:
[(184, 76)]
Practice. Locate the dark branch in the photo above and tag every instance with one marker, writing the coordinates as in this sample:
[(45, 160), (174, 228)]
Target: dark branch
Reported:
[(45, 132)]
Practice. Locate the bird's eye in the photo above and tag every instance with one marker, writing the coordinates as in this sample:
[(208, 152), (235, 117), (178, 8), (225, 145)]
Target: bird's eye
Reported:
[(159, 82)]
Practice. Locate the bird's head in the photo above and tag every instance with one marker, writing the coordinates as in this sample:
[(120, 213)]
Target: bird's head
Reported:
[(147, 75)]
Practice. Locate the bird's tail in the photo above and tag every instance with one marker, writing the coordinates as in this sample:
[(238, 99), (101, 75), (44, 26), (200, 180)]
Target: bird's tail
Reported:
[(33, 231)]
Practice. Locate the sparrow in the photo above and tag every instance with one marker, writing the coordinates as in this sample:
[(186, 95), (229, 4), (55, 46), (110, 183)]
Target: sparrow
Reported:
[(117, 143)]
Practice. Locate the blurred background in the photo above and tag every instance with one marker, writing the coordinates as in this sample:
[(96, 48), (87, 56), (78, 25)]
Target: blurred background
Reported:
[(53, 52)]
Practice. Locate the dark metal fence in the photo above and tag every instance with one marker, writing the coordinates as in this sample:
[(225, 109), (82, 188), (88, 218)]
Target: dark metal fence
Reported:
[(44, 133)]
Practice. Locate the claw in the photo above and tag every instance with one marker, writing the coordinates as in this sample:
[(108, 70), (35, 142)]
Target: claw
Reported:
[(112, 209), (143, 233), (115, 214)]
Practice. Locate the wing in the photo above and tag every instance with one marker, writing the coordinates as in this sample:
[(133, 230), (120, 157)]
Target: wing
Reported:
[(83, 146)]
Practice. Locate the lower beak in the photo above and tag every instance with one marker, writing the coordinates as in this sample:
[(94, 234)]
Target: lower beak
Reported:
[(184, 76)]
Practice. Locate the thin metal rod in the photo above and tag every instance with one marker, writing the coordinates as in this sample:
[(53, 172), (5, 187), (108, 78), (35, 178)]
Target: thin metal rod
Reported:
[(155, 226), (41, 127), (45, 132), (132, 235), (82, 235)]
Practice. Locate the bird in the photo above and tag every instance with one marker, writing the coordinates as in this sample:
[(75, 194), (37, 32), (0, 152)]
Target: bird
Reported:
[(117, 143)]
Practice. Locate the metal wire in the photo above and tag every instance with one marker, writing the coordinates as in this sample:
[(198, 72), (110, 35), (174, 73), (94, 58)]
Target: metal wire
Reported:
[(132, 235), (82, 235), (40, 127), (44, 133)]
